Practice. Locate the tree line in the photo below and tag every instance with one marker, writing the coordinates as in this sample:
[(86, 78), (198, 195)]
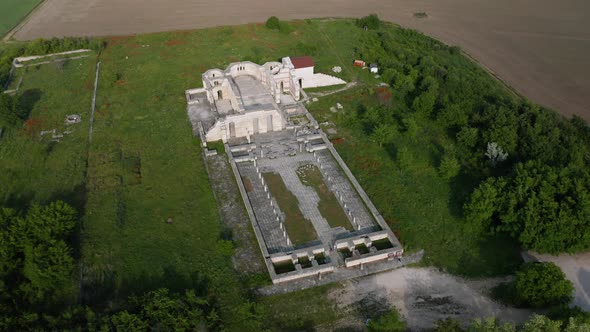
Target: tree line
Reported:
[(530, 166), (38, 277)]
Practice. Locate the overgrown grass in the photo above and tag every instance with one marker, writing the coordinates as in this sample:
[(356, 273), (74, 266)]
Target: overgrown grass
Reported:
[(13, 11), (424, 210), (37, 168), (299, 229), (328, 205), (303, 310), (144, 166)]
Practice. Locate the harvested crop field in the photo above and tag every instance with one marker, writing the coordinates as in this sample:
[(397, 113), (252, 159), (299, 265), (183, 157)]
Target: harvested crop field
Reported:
[(539, 47)]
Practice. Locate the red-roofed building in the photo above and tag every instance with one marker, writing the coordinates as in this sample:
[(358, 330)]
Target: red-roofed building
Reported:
[(302, 62), (304, 68)]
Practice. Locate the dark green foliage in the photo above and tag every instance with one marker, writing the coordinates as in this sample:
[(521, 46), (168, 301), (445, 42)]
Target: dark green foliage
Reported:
[(36, 262), (542, 284), (537, 285), (8, 111), (448, 325), (273, 23), (449, 166), (389, 322), (372, 22)]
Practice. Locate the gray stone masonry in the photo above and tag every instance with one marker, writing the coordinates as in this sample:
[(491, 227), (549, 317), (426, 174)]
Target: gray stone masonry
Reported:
[(266, 211)]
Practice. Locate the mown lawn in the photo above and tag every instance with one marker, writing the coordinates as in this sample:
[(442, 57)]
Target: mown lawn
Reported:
[(299, 229), (13, 11)]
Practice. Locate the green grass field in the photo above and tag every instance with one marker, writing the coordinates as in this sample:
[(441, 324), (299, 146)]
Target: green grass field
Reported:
[(13, 11), (299, 229), (144, 166), (33, 167), (328, 205)]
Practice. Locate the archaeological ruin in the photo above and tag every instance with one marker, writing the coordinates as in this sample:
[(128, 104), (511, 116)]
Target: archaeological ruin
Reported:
[(310, 216)]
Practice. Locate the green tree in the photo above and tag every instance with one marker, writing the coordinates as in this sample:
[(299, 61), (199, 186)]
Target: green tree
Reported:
[(448, 325), (8, 114), (273, 23), (424, 103), (372, 22), (538, 323), (383, 134), (449, 167), (390, 322), (484, 203), (490, 325), (540, 285)]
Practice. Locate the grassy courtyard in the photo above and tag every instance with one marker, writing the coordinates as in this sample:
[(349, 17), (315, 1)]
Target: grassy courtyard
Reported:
[(328, 205), (299, 229), (13, 11)]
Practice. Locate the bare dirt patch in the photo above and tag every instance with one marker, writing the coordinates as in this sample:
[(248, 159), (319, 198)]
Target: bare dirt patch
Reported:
[(540, 47), (423, 296)]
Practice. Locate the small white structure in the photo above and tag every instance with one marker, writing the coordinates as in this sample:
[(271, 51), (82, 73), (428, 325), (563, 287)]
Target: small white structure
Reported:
[(374, 68), (303, 67)]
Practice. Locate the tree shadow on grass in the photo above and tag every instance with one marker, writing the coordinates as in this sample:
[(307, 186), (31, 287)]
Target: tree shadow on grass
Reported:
[(107, 290), (495, 255), (26, 102)]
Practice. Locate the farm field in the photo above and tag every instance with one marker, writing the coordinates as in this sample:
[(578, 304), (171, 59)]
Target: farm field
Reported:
[(540, 48), (13, 11)]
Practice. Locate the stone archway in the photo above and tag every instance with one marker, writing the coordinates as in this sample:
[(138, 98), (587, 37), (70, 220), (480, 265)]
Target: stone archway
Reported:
[(219, 95)]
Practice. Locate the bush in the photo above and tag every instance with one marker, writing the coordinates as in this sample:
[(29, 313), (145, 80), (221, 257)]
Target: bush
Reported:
[(273, 23), (390, 322), (372, 22), (542, 284)]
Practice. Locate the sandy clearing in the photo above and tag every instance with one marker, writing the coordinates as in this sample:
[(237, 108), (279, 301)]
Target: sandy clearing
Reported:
[(425, 295), (539, 47), (576, 269)]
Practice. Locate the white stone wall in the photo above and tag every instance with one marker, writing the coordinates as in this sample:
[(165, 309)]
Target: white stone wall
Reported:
[(304, 73), (244, 125)]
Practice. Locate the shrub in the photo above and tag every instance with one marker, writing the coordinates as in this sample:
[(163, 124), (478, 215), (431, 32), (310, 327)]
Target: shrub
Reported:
[(372, 22), (541, 285), (273, 23), (390, 322)]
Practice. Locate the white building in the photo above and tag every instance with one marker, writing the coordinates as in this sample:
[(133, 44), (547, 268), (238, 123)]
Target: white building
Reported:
[(247, 98), (242, 100)]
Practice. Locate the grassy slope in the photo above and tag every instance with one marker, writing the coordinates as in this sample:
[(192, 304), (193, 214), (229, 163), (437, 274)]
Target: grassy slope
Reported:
[(13, 11)]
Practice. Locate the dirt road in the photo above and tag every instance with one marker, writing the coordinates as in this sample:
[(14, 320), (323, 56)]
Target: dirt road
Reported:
[(423, 296), (540, 47)]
